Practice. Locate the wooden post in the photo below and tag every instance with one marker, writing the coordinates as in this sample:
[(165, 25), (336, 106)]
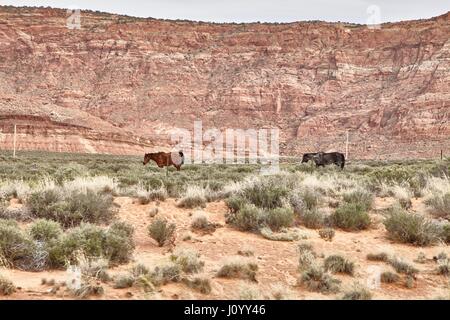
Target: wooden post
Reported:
[(346, 147), (14, 141), (442, 156)]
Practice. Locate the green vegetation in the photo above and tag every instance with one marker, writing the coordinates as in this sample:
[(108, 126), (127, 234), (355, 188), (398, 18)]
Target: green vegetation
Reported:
[(338, 264), (412, 228), (71, 208), (6, 286), (68, 206), (188, 260), (389, 277), (357, 293), (316, 279), (162, 231), (238, 267), (440, 205), (327, 234), (351, 216), (201, 284)]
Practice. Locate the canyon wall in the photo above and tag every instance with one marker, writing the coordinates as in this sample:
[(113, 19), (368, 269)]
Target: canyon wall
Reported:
[(122, 84)]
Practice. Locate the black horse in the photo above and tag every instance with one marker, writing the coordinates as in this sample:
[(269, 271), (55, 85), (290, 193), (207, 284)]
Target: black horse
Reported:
[(308, 156), (325, 158)]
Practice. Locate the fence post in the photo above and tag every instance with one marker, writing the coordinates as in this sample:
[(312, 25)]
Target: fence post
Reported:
[(14, 140), (346, 147)]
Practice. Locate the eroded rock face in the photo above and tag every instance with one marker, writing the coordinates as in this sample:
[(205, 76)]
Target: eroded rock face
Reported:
[(138, 79)]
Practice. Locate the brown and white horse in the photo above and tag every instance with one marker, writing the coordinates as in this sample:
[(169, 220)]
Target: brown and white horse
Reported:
[(166, 159)]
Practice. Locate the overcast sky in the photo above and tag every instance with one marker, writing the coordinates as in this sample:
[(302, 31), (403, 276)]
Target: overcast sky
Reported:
[(357, 11)]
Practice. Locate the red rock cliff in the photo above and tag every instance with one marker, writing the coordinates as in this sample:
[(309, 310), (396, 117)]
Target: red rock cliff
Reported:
[(123, 83)]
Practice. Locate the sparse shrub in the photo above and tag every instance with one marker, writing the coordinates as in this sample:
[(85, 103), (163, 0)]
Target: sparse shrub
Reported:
[(411, 228), (266, 193), (123, 281), (440, 204), (311, 198), (6, 286), (165, 273), (72, 208), (441, 256), (139, 270), (357, 293), (409, 282), (189, 260), (119, 243), (115, 243), (238, 267), (200, 222), (69, 172), (145, 282), (443, 267), (18, 214), (307, 256), (279, 218), (351, 216), (313, 218), (316, 279), (146, 196), (445, 233), (247, 292), (194, 196), (94, 267), (421, 258), (201, 284), (161, 231), (88, 288), (14, 189), (325, 184), (382, 256), (16, 247), (283, 235), (418, 183), (251, 218), (234, 203), (296, 202), (97, 184), (389, 277), (45, 230), (280, 292), (86, 238), (338, 264), (92, 272), (403, 195), (153, 212), (327, 234), (248, 218), (41, 202), (402, 266), (361, 197)]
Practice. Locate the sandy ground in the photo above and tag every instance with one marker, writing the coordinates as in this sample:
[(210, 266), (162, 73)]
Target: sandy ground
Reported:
[(277, 260)]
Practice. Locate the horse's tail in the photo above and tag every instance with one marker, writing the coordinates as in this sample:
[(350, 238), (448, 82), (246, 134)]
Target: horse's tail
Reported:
[(182, 156)]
